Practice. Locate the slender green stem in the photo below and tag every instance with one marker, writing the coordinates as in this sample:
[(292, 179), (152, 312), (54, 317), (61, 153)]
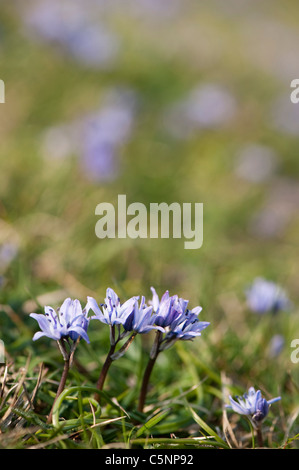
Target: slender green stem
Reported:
[(252, 433)]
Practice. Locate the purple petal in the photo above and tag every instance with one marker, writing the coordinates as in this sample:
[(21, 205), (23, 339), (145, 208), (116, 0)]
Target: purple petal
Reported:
[(39, 334), (238, 408), (110, 294), (41, 320), (165, 296), (196, 310), (273, 400), (92, 304), (80, 332), (155, 301), (65, 311)]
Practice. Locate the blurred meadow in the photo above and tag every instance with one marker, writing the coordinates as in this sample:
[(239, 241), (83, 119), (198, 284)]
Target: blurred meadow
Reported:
[(173, 101)]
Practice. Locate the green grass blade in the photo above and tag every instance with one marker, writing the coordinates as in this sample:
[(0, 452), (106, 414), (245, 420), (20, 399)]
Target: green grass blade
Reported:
[(146, 427), (203, 425), (69, 391)]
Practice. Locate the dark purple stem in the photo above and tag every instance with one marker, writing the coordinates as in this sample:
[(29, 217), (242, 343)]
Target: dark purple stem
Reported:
[(147, 373)]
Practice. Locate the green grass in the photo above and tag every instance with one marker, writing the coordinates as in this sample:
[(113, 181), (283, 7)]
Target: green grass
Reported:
[(47, 210)]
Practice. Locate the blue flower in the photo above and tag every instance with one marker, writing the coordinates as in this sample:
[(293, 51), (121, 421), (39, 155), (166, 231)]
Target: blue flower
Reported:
[(104, 133), (178, 321), (68, 25), (96, 138), (112, 312), (141, 320), (188, 328), (185, 328), (253, 405), (266, 296), (69, 321), (276, 345), (167, 310)]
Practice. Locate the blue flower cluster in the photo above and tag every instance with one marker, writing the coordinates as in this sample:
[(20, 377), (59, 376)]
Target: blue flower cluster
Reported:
[(169, 315)]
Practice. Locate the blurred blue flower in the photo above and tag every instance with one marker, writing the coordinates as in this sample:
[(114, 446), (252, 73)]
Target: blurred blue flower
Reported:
[(266, 296), (207, 106), (103, 134), (93, 46), (69, 321), (96, 138), (69, 25), (253, 405), (8, 251), (276, 345)]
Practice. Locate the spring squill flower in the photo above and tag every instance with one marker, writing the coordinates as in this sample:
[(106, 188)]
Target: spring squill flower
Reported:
[(111, 312), (167, 309), (177, 322), (95, 138), (266, 296), (67, 325), (207, 106), (68, 322), (142, 320), (104, 134), (68, 25), (276, 345), (254, 406), (186, 329)]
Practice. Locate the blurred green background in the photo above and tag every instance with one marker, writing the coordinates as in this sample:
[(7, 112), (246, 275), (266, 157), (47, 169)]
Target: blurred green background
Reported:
[(199, 93)]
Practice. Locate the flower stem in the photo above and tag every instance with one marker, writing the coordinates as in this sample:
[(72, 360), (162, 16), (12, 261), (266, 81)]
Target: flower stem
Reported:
[(61, 385), (147, 373), (104, 371), (145, 383), (112, 356), (259, 436)]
